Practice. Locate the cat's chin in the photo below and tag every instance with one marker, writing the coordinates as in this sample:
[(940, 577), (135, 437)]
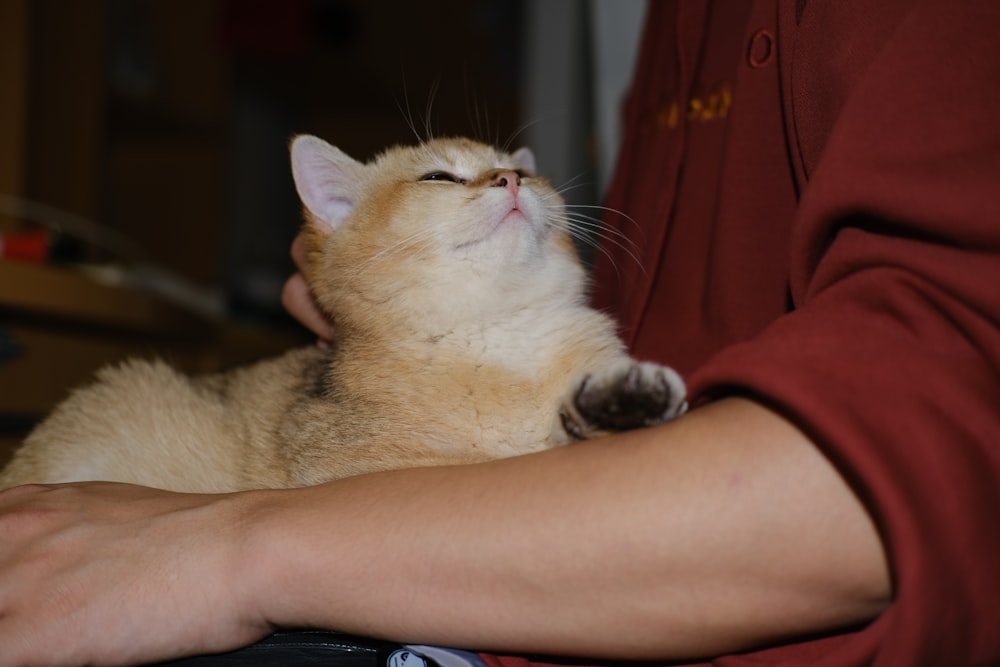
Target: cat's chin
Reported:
[(514, 222), (515, 217)]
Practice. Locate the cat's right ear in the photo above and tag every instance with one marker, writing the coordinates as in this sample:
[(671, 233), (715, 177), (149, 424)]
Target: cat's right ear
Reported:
[(328, 181)]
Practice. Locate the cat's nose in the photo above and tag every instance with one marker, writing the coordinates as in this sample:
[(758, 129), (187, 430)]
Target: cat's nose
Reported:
[(506, 179)]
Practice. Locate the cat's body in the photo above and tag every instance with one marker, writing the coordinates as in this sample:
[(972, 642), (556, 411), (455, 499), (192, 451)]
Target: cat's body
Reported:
[(463, 335)]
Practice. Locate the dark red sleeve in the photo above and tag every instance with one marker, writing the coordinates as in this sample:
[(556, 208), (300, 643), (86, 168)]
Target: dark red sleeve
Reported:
[(890, 359)]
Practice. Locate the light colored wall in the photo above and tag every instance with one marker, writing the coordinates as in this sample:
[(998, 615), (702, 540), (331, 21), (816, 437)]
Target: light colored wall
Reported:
[(578, 64)]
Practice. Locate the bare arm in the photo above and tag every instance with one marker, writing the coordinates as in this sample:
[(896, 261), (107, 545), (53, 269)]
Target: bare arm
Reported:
[(723, 530)]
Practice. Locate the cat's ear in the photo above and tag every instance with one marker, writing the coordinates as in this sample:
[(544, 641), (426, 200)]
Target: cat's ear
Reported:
[(328, 181), (525, 160)]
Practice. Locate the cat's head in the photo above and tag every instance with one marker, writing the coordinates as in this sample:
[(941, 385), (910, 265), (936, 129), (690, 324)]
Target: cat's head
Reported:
[(449, 214)]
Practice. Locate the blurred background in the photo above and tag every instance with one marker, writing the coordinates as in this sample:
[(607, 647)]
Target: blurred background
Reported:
[(146, 205)]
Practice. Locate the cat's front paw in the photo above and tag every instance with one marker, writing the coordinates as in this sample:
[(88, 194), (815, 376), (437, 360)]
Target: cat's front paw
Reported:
[(624, 397)]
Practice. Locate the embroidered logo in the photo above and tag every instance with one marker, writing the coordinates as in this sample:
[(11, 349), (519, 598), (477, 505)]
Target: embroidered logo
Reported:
[(711, 106)]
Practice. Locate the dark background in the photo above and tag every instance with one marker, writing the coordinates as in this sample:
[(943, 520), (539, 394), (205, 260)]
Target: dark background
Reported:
[(168, 120)]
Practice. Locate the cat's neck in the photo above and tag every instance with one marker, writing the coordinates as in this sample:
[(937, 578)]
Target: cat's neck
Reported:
[(528, 312), (524, 339), (414, 299)]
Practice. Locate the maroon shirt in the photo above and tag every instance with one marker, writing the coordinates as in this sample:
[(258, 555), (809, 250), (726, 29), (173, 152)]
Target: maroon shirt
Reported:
[(813, 191)]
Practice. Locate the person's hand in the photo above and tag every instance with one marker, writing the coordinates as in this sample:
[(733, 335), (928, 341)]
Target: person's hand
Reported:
[(119, 574), (298, 300)]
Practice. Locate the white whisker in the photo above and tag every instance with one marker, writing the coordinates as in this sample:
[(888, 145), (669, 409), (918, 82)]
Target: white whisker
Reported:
[(428, 110), (572, 184), (506, 146), (417, 239), (591, 231), (407, 112), (601, 241)]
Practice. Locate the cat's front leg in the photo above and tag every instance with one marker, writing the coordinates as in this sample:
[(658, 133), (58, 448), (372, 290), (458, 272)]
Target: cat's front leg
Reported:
[(623, 396)]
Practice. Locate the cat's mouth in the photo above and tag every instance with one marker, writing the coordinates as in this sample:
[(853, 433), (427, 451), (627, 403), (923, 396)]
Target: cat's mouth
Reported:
[(510, 215), (515, 215)]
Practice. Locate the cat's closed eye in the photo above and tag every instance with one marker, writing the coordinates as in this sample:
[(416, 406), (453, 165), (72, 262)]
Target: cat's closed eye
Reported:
[(444, 177)]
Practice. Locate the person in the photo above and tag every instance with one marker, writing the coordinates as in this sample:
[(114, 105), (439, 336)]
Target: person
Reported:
[(813, 186)]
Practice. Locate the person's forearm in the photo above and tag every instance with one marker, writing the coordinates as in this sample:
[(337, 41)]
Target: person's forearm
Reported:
[(723, 530)]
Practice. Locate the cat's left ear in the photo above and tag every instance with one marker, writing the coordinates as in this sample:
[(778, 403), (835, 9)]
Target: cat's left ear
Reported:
[(525, 160), (328, 180)]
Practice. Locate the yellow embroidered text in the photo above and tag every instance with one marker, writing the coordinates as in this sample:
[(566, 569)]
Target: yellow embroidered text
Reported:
[(703, 109)]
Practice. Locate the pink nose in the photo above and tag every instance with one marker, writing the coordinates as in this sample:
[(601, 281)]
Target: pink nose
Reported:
[(506, 179)]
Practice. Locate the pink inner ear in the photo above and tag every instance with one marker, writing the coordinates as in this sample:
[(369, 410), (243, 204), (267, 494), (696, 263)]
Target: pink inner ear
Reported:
[(327, 179), (336, 210), (525, 159)]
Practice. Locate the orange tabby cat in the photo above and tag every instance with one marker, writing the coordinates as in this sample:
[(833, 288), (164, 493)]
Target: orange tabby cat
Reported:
[(463, 335)]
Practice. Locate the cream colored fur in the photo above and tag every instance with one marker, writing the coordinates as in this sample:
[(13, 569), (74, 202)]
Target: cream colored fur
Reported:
[(463, 335)]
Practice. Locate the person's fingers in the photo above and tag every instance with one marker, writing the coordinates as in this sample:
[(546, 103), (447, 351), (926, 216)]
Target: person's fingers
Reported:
[(298, 300), (298, 252), (84, 565), (297, 297)]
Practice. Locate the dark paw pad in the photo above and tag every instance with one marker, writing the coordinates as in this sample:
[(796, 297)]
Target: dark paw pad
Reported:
[(633, 396)]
